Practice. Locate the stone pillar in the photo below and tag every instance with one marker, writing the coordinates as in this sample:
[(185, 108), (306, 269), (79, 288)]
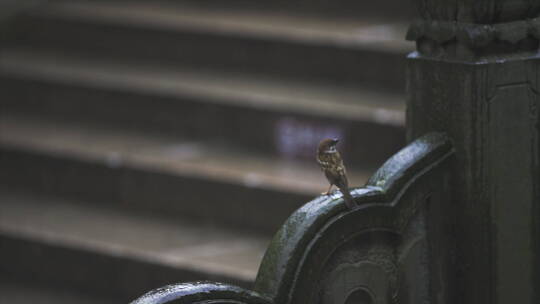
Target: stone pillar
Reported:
[(475, 76)]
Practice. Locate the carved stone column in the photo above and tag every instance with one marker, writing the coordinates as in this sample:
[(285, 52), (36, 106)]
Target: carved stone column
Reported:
[(475, 76)]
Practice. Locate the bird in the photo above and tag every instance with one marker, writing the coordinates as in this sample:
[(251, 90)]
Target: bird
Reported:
[(331, 164)]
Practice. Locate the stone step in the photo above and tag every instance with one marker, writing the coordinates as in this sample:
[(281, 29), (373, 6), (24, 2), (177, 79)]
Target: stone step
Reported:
[(113, 253), (19, 291), (391, 9), (342, 52), (281, 118), (180, 178)]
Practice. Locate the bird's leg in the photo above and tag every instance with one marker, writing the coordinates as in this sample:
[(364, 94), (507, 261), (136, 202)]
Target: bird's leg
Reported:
[(328, 192)]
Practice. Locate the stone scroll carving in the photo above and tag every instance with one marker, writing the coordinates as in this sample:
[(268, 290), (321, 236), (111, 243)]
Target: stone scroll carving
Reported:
[(201, 292), (394, 247), (377, 253)]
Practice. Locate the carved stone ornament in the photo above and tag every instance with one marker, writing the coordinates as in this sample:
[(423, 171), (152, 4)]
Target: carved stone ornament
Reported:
[(471, 30), (477, 11), (474, 35), (380, 252)]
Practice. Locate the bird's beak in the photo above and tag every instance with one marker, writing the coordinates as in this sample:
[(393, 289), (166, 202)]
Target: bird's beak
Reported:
[(335, 141)]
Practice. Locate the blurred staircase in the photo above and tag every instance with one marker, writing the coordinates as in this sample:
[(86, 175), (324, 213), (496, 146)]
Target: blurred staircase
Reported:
[(145, 143)]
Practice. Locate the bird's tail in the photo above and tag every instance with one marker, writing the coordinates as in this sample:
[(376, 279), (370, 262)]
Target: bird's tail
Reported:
[(349, 201)]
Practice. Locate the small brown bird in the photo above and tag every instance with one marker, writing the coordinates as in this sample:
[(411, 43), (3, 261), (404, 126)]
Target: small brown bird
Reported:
[(331, 164)]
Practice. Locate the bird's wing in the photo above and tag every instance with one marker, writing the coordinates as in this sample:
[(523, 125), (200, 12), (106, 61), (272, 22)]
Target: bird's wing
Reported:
[(342, 172), (343, 176)]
